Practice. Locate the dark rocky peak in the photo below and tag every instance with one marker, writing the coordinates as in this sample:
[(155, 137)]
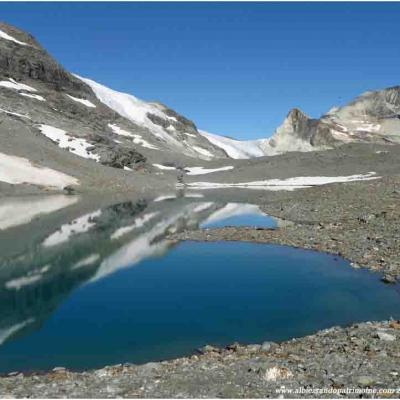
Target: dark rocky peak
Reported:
[(22, 58), (296, 113), (298, 120)]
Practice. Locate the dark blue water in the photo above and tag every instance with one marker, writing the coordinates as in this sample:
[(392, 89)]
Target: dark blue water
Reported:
[(197, 294)]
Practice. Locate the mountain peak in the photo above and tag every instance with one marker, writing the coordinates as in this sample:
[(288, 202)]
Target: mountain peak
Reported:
[(295, 114), (16, 35)]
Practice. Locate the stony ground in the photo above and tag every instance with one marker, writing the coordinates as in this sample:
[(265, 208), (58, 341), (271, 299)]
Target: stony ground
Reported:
[(363, 357)]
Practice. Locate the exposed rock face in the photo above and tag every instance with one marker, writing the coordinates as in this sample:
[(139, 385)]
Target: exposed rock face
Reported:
[(122, 157), (296, 132), (31, 61), (374, 117)]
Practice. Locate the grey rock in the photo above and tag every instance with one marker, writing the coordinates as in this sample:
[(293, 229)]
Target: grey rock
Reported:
[(387, 278), (209, 349), (59, 369), (69, 190), (254, 348), (365, 381), (385, 336), (267, 346)]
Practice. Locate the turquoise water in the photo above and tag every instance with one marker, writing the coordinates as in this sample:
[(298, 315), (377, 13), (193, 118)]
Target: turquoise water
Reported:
[(253, 220), (234, 214), (192, 294)]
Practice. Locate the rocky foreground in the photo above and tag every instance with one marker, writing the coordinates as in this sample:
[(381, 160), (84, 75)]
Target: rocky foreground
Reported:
[(359, 361)]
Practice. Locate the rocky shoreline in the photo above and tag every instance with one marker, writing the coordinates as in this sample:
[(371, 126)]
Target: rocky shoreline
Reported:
[(358, 361)]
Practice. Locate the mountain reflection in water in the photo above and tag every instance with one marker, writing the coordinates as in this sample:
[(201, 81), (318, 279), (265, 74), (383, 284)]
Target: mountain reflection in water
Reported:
[(36, 280)]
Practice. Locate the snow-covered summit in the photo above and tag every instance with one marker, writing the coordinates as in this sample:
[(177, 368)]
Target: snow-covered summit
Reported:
[(166, 126)]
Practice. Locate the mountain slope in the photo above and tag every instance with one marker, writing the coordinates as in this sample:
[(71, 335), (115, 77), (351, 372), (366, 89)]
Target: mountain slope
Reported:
[(52, 111)]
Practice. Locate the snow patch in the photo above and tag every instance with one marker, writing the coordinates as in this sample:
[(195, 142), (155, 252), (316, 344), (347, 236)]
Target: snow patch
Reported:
[(202, 171), (137, 139), (33, 96), (85, 102), (138, 223), (203, 206), (160, 166), (12, 84), (285, 184), (21, 211), (86, 261), (75, 145), (367, 127), (166, 197), (203, 151), (236, 149), (194, 195), (18, 283), (14, 113), (141, 142), (119, 131), (19, 170), (6, 333), (189, 134), (79, 225), (6, 36), (343, 136)]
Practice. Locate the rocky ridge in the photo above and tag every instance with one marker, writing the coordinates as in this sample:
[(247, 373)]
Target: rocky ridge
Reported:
[(373, 117)]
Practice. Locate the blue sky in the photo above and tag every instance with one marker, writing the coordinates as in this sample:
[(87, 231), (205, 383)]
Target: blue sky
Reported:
[(233, 68)]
